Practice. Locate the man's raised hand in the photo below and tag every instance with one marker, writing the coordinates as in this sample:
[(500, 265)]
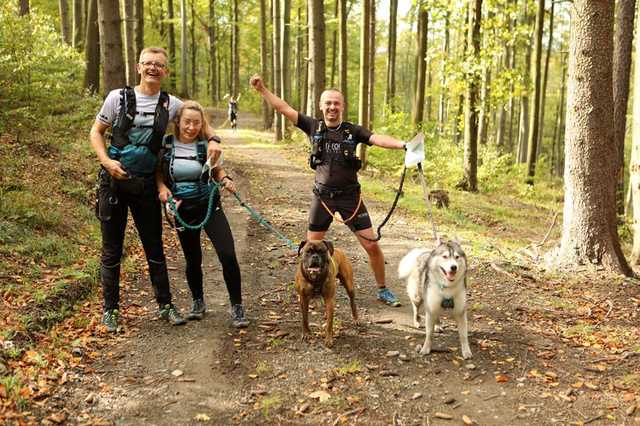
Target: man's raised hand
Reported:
[(256, 82)]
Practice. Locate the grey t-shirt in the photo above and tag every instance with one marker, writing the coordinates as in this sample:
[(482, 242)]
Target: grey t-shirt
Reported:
[(144, 104)]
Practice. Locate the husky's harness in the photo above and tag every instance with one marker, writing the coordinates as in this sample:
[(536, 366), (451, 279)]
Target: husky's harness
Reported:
[(334, 147)]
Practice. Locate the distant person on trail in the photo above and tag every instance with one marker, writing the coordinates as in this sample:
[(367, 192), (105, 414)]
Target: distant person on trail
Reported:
[(233, 111), (181, 177), (336, 188), (138, 118)]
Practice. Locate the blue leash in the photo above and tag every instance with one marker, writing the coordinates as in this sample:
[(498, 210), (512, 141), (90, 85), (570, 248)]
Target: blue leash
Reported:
[(262, 221)]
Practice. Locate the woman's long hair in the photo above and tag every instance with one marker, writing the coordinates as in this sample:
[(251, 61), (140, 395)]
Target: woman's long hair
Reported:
[(195, 106)]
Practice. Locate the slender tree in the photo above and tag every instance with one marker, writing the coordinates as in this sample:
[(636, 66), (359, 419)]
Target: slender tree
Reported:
[(342, 41), (194, 52), (545, 76), (298, 59), (171, 32), (285, 29), (534, 121), (442, 105), (523, 135), (277, 65), (334, 51), (65, 25), (589, 231), (77, 24), (469, 180), (140, 26), (267, 115), (622, 47), (390, 92), (235, 51), (365, 39), (92, 49), (317, 55), (111, 45), (213, 66), (184, 49), (421, 55), (372, 64), (558, 129), (129, 41)]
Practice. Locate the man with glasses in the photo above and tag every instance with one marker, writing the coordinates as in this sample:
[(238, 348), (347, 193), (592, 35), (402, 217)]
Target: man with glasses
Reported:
[(138, 118)]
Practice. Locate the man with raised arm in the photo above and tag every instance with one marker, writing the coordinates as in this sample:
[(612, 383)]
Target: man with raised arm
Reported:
[(336, 188), (138, 119)]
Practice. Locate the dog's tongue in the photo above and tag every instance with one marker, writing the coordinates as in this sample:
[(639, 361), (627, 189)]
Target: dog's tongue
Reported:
[(451, 275), (313, 270)]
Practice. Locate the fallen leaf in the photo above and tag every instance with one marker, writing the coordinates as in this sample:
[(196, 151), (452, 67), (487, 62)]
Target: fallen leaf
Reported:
[(177, 373), (201, 418), (320, 395), (500, 378), (443, 416), (467, 420)]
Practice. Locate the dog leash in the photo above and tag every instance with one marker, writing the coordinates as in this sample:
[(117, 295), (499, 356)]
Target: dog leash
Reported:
[(262, 221), (427, 200)]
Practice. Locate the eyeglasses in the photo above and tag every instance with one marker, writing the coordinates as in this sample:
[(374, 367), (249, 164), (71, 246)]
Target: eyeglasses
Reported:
[(149, 64)]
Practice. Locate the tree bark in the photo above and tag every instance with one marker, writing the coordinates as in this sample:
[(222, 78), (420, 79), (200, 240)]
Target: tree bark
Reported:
[(110, 45), (622, 46), (523, 135), (317, 55), (342, 42), (213, 66), (77, 24), (129, 41), (421, 72), (184, 50), (545, 78), (534, 122), (589, 233), (171, 32), (442, 104), (285, 68), (557, 159), (277, 65), (65, 25), (92, 49), (267, 114), (372, 64), (365, 39), (140, 27), (194, 52), (469, 180), (334, 46), (390, 93), (235, 51), (23, 7)]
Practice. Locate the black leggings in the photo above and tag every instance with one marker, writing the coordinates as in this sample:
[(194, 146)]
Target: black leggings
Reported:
[(220, 235)]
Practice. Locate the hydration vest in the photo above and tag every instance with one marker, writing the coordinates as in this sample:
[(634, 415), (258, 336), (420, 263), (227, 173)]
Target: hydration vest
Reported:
[(139, 158), (322, 151), (185, 189)]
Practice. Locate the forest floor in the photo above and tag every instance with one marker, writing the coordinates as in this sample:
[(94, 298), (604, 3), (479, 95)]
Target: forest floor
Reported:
[(546, 349)]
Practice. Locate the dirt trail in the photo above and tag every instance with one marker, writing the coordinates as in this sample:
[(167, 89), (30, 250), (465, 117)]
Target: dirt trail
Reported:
[(266, 375)]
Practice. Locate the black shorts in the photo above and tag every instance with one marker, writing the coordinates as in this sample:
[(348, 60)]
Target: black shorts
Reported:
[(344, 203)]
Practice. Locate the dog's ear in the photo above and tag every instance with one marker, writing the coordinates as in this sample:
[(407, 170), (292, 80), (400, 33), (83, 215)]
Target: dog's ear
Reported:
[(302, 243), (456, 240), (329, 245)]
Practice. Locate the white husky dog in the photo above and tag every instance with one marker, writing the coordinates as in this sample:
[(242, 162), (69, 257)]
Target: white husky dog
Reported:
[(438, 279)]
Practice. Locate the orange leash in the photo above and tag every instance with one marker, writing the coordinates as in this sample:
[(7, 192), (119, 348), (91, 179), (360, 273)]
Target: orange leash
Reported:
[(336, 215)]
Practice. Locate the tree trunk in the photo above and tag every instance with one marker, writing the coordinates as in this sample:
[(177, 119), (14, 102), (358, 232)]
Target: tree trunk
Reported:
[(110, 45), (589, 233), (277, 65), (390, 93), (372, 64), (421, 72), (442, 105), (172, 46), (523, 136), (483, 118), (622, 46), (65, 25), (267, 115), (23, 7), (317, 55), (184, 50), (543, 94), (92, 49), (534, 122), (285, 68), (458, 120), (140, 26), (502, 112), (298, 60), (304, 85), (334, 45), (469, 180), (365, 39), (235, 51), (558, 128), (194, 52), (342, 41), (77, 24), (213, 66), (129, 41)]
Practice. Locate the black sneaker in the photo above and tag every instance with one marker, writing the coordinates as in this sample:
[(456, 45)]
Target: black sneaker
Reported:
[(170, 314), (198, 308), (110, 320), (238, 320)]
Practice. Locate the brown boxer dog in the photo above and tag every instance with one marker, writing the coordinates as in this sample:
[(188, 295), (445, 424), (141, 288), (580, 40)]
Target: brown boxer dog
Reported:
[(320, 264)]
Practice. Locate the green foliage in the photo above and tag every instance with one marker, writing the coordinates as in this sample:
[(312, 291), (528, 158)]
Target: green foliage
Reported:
[(36, 69)]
